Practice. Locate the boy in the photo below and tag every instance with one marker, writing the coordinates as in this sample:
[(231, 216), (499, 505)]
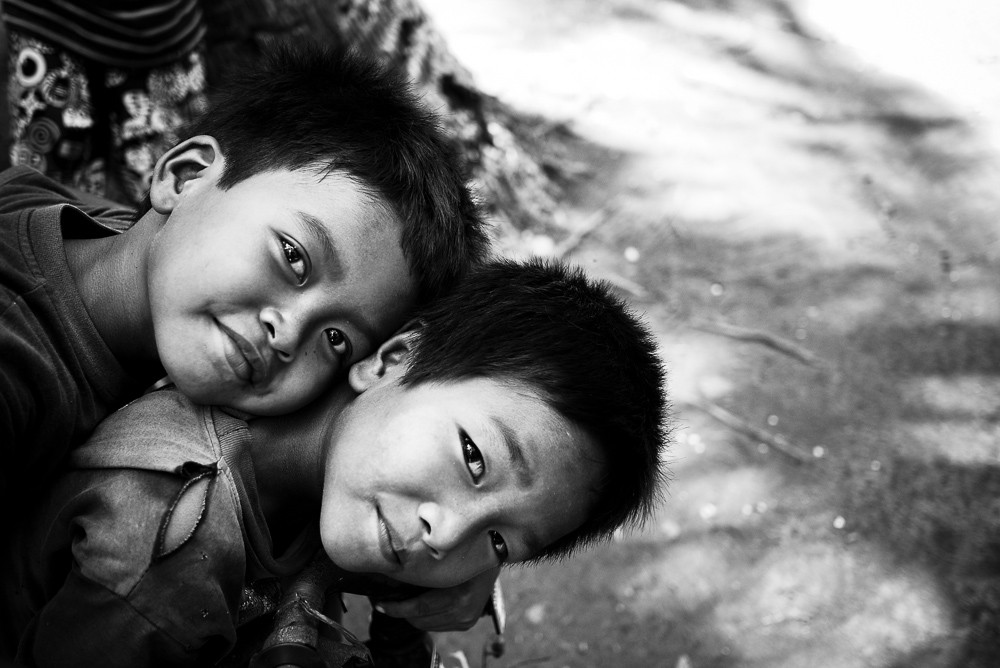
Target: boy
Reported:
[(521, 420), (288, 235)]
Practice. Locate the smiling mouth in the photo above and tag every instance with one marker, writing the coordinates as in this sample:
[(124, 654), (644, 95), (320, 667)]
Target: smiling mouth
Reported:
[(385, 543), (243, 357)]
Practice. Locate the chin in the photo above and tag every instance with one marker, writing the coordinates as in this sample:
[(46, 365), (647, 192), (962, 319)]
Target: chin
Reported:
[(254, 407), (266, 406), (237, 399), (194, 393)]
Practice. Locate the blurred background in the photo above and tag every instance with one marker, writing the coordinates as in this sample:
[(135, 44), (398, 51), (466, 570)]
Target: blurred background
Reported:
[(802, 197)]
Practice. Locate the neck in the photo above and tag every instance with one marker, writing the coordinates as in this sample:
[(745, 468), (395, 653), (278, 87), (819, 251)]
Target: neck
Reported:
[(110, 275), (290, 454)]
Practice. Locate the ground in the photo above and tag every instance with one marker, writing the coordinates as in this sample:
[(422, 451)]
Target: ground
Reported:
[(801, 196)]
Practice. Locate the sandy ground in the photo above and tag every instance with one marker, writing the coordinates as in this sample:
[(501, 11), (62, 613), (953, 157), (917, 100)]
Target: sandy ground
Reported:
[(802, 198)]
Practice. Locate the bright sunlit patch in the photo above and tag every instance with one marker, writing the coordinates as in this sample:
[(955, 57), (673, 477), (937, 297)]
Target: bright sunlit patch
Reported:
[(698, 363), (973, 396), (821, 598), (946, 417), (949, 47), (721, 495), (959, 441)]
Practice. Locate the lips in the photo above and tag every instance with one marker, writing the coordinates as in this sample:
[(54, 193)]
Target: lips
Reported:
[(248, 365), (386, 545)]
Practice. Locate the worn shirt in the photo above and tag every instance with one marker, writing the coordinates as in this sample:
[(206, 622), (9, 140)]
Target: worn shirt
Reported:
[(58, 378), (141, 554)]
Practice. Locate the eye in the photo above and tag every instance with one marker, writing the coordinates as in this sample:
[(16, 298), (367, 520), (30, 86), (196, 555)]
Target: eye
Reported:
[(499, 546), (338, 341), (295, 260), (473, 458)]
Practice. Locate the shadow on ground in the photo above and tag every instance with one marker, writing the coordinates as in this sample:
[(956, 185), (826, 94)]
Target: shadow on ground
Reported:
[(815, 245)]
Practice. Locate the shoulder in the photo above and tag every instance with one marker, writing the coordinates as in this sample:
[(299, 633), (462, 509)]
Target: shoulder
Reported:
[(159, 451), (23, 189), (187, 592), (22, 174), (142, 528), (161, 430)]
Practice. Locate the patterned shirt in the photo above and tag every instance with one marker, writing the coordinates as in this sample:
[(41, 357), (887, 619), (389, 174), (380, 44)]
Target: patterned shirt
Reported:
[(118, 33)]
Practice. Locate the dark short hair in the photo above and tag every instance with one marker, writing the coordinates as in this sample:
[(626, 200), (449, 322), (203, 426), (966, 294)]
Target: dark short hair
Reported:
[(547, 326), (306, 106)]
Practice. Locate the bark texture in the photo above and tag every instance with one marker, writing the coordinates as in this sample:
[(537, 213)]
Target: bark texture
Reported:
[(511, 158)]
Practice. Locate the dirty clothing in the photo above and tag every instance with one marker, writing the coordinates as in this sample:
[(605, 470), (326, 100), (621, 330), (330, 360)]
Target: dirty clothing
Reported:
[(58, 378), (140, 555)]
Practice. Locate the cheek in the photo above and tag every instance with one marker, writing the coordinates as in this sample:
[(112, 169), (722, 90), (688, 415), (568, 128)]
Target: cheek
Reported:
[(317, 366), (565, 511), (181, 346), (174, 298), (299, 385), (419, 455), (336, 537), (425, 436), (171, 252)]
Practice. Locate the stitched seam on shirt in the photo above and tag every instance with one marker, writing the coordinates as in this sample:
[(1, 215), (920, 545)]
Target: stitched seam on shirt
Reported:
[(159, 551), (20, 300)]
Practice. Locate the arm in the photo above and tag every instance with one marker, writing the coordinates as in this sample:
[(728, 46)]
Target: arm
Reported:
[(125, 601), (87, 624)]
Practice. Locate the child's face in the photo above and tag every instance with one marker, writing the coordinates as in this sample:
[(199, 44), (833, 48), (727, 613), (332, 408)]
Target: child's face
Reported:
[(433, 484), (262, 293)]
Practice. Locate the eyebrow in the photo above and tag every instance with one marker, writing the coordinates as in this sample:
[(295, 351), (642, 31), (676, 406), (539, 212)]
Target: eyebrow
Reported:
[(333, 265), (321, 233), (525, 476), (515, 453)]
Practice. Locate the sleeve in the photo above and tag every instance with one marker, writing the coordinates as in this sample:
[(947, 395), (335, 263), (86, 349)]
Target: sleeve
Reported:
[(128, 600), (86, 624), (24, 189), (34, 395)]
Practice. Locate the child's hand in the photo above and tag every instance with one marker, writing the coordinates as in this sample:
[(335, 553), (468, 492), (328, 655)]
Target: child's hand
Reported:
[(454, 609)]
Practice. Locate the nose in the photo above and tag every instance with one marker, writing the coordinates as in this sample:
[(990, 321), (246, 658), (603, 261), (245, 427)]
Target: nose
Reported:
[(284, 331), (446, 527)]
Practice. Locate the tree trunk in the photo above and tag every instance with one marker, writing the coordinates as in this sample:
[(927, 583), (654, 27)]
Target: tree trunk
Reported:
[(504, 152)]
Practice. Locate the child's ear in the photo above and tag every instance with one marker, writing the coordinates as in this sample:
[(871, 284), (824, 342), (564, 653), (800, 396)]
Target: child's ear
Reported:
[(192, 159), (386, 363)]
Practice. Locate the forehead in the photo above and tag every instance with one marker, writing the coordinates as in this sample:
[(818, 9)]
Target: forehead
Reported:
[(353, 238), (315, 187), (544, 450), (519, 407), (554, 464)]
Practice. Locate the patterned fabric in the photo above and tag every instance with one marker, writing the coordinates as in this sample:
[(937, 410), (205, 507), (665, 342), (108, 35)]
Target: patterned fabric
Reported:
[(134, 34), (97, 128)]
